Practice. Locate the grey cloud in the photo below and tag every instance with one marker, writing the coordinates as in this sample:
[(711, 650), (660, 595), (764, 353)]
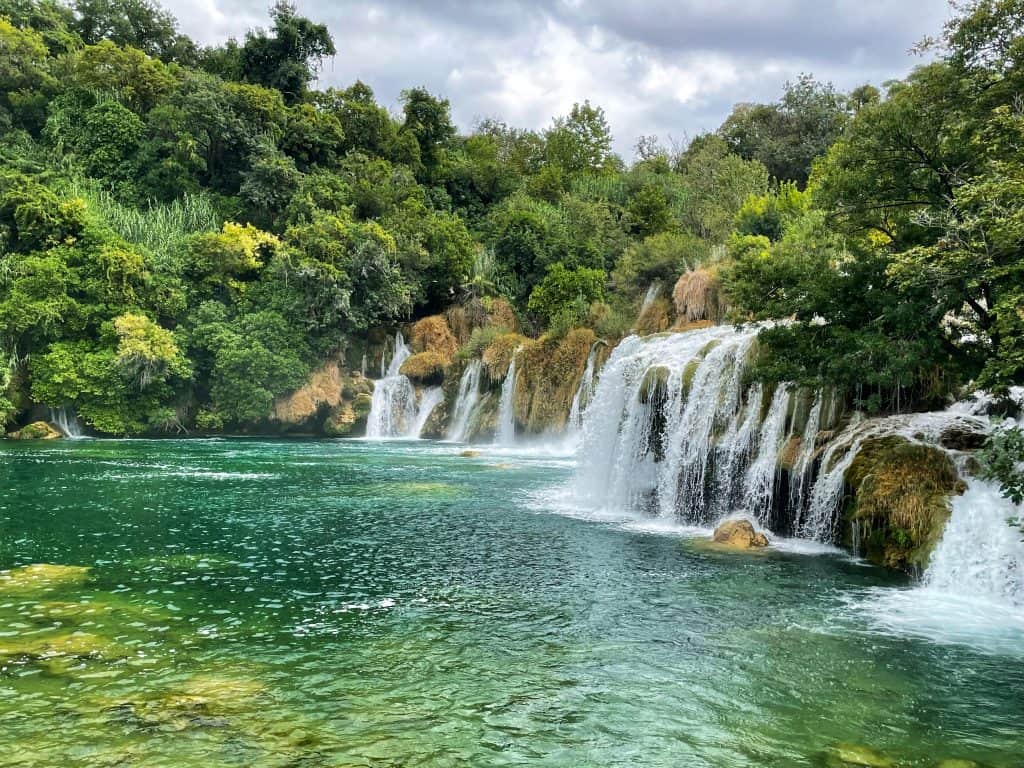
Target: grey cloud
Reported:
[(666, 67)]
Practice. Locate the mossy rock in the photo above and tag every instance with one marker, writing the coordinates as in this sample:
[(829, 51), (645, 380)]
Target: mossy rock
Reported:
[(900, 500), (550, 370), (498, 355), (362, 405), (424, 368), (433, 334), (655, 318), (341, 421), (41, 577), (856, 756), (654, 387), (37, 430)]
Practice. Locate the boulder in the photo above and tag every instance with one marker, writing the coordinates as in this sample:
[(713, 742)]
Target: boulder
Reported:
[(739, 534), (37, 430), (856, 756)]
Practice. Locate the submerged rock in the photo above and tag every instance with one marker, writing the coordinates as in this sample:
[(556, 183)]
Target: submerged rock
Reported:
[(41, 577), (739, 534), (856, 756), (469, 454), (78, 645), (37, 430), (958, 764)]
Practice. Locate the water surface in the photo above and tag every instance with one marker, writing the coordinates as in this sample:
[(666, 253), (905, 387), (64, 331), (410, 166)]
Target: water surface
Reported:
[(345, 603)]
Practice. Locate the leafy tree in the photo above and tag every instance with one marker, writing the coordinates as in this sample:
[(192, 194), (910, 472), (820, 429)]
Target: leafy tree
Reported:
[(787, 136), (428, 120), (561, 287), (132, 23), (288, 58), (580, 141)]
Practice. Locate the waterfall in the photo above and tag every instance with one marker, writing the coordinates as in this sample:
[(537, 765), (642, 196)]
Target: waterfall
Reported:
[(821, 518), (800, 475), (650, 429), (66, 421), (506, 431), (430, 398), (394, 408), (583, 392), (652, 293), (981, 554), (466, 400), (759, 489)]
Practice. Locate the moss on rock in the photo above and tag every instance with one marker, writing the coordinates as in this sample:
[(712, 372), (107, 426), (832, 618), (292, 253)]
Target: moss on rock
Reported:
[(550, 370), (37, 430), (434, 335), (424, 368), (900, 500), (654, 318), (41, 577)]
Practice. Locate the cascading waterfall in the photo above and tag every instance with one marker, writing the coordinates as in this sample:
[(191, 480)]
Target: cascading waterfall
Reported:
[(506, 432), (465, 401), (800, 476), (981, 554), (394, 409), (759, 489), (66, 421), (649, 430), (583, 392)]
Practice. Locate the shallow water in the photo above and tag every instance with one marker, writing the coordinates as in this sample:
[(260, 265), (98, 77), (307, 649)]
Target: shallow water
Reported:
[(345, 603)]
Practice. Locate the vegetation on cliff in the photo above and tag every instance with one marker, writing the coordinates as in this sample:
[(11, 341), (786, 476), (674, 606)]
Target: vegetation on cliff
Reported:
[(187, 233)]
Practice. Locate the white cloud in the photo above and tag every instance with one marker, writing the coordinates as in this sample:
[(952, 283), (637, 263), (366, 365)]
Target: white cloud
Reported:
[(666, 67)]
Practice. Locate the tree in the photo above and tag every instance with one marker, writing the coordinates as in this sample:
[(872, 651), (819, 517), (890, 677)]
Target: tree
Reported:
[(428, 120), (289, 58), (789, 135), (580, 141), (133, 23), (561, 287)]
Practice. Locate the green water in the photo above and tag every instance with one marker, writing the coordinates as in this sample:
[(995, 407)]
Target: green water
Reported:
[(339, 603)]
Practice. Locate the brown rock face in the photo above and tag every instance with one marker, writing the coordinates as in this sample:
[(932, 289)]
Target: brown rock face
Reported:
[(739, 534), (322, 389)]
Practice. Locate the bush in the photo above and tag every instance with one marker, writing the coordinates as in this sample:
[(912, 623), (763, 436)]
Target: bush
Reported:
[(562, 288)]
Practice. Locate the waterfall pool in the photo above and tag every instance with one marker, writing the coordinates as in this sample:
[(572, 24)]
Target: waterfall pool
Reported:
[(352, 603)]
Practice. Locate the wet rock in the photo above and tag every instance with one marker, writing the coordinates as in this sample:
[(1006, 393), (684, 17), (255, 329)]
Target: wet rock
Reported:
[(739, 534), (37, 430), (961, 436), (856, 756), (654, 387), (469, 454)]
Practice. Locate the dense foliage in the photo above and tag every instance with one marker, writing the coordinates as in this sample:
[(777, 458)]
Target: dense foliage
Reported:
[(186, 232)]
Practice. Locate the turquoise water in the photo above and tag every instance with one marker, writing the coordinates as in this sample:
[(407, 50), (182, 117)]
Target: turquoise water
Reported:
[(343, 603)]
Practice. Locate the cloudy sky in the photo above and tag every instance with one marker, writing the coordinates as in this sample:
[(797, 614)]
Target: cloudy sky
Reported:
[(666, 67)]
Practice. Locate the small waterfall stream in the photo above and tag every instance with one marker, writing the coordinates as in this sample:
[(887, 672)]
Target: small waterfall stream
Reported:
[(465, 401), (583, 392), (395, 411), (506, 430), (66, 421)]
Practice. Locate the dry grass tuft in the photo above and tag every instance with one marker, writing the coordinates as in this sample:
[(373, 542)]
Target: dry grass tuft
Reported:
[(698, 296), (432, 334)]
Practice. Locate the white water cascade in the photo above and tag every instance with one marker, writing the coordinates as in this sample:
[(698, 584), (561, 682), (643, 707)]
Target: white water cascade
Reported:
[(395, 411), (66, 421), (506, 431), (465, 401), (652, 293), (668, 430), (981, 554), (584, 392)]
